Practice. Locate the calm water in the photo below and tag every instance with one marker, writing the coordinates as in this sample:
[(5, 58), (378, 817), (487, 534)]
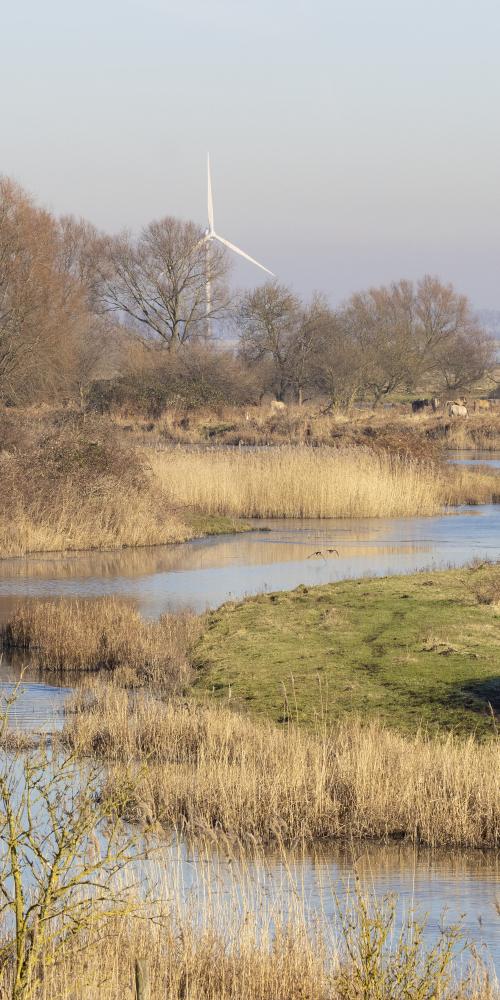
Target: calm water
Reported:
[(206, 572), (464, 886), (39, 706), (488, 458)]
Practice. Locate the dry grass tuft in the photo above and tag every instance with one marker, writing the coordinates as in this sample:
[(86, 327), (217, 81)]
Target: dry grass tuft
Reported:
[(105, 634), (486, 585), (210, 770)]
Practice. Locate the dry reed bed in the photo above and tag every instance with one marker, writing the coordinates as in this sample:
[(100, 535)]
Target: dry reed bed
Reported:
[(471, 485), (105, 634), (208, 770), (299, 482), (106, 519), (81, 485), (481, 431), (189, 957)]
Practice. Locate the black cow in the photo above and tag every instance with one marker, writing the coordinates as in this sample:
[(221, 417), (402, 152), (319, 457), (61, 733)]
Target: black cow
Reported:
[(418, 405)]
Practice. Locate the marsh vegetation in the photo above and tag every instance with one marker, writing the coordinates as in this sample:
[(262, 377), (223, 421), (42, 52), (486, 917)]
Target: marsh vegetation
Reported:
[(367, 709), (369, 958), (76, 917), (72, 481), (211, 771), (105, 635), (363, 708)]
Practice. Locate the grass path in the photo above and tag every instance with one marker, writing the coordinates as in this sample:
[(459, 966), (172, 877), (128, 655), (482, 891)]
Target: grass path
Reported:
[(420, 649)]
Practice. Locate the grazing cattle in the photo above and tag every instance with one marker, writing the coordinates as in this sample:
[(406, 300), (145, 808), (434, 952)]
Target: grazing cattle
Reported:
[(435, 403), (481, 405), (277, 406), (418, 405), (457, 410)]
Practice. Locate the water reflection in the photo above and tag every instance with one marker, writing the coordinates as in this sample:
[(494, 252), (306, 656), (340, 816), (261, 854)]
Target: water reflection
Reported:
[(489, 458), (207, 572), (466, 885), (278, 555), (39, 706)]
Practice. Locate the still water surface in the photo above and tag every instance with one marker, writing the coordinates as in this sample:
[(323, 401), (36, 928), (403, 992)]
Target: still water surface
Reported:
[(491, 459), (443, 886), (277, 555)]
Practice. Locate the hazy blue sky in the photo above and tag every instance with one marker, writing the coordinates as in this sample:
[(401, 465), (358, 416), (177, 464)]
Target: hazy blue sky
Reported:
[(351, 142)]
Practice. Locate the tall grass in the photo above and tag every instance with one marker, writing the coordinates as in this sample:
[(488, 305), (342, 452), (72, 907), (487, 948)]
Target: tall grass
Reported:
[(471, 485), (298, 482), (210, 770), (69, 483), (234, 949), (112, 519), (104, 634)]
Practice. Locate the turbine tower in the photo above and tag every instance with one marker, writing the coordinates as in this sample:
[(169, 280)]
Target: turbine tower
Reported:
[(210, 237)]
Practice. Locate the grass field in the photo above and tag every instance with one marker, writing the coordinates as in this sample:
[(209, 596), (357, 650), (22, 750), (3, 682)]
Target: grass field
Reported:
[(414, 650)]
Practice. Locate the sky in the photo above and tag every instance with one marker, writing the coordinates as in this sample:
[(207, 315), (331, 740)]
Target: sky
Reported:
[(351, 143)]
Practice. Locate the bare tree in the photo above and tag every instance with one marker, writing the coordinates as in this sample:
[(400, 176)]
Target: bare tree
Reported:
[(339, 366), (158, 281), (40, 306), (453, 350), (304, 344), (22, 251), (80, 245), (269, 321), (423, 335), (380, 324), (464, 362)]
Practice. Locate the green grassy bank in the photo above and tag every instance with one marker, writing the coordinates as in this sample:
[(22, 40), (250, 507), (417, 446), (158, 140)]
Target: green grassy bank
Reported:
[(413, 650), (201, 525)]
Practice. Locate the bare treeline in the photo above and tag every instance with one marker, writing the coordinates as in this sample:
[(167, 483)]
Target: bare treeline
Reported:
[(383, 341), (86, 316)]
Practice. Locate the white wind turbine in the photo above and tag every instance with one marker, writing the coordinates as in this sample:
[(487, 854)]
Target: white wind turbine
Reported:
[(211, 236)]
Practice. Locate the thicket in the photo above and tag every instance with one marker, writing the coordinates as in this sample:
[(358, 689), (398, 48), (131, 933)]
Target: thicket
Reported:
[(75, 485)]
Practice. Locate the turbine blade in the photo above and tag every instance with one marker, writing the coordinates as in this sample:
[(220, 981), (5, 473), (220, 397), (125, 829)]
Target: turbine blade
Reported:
[(210, 199), (242, 253)]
